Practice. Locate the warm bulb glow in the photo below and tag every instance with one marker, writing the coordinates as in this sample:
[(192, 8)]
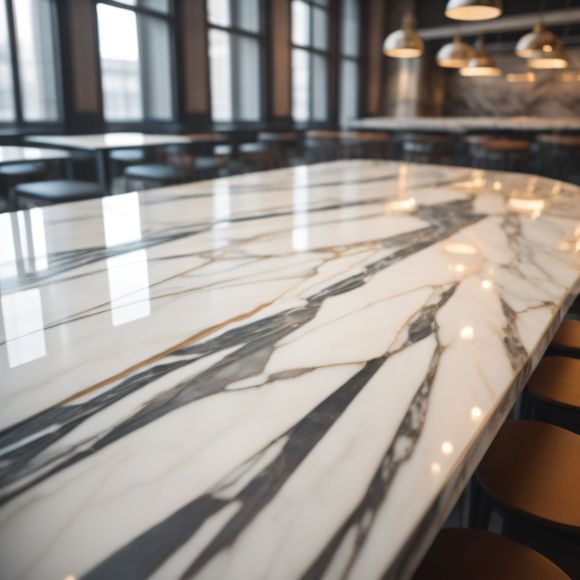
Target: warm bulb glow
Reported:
[(486, 284), (447, 447), (480, 71), (403, 53), (475, 413), (547, 63), (435, 468), (526, 205), (473, 12), (467, 333)]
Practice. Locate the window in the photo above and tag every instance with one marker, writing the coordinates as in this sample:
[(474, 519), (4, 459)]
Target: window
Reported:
[(29, 91), (136, 60), (349, 60), (235, 56), (310, 60)]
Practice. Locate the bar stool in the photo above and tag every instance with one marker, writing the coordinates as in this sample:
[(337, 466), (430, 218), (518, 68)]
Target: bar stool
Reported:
[(559, 156), (148, 175), (14, 173), (468, 554), (531, 476), (567, 338), (500, 154), (323, 146), (56, 191), (122, 157), (210, 167), (427, 148), (554, 391)]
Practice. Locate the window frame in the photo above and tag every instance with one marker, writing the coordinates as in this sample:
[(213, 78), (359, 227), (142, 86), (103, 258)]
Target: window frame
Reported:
[(358, 60), (329, 54), (170, 19), (234, 32), (19, 121)]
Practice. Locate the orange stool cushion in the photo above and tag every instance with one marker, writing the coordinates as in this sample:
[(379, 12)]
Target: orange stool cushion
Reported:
[(568, 335), (557, 381)]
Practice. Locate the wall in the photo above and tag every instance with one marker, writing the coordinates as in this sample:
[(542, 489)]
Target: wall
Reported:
[(551, 94)]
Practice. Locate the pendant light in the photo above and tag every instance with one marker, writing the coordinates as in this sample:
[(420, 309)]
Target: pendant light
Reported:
[(482, 64), (405, 42), (473, 9), (455, 54), (549, 59), (539, 40)]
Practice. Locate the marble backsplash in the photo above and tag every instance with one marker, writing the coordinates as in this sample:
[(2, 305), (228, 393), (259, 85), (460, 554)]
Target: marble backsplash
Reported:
[(519, 91)]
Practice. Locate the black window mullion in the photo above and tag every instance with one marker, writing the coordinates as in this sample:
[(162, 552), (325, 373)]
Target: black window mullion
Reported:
[(14, 62)]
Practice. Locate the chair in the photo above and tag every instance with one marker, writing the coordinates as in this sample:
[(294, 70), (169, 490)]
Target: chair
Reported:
[(500, 154), (365, 145), (323, 146), (567, 338), (284, 143), (531, 476), (468, 554), (258, 156), (12, 174), (56, 191), (559, 156), (210, 167), (149, 175), (427, 148), (554, 392)]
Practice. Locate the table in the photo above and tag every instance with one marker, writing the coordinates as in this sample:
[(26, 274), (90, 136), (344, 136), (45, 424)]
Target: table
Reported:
[(460, 125), (99, 144), (14, 154), (273, 375)]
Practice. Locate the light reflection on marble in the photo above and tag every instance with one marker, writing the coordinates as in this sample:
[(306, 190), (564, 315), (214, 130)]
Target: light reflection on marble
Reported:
[(288, 374)]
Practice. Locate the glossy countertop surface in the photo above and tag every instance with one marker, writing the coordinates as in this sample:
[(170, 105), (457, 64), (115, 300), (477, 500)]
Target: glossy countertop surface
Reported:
[(284, 375), (466, 124), (19, 154), (102, 141)]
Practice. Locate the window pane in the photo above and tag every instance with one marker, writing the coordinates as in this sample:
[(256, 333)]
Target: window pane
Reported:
[(319, 88), (158, 5), (36, 59), (6, 88), (249, 15), (155, 45), (121, 75), (348, 91), (300, 84), (218, 12), (249, 75), (300, 23), (220, 75), (320, 26), (350, 28)]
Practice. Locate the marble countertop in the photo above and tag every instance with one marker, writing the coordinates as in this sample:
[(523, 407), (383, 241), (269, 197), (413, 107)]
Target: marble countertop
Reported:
[(288, 374), (10, 154), (467, 124), (105, 141)]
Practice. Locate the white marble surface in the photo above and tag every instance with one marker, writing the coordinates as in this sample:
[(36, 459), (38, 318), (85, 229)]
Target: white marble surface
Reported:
[(16, 154), (281, 375), (104, 141), (467, 124)]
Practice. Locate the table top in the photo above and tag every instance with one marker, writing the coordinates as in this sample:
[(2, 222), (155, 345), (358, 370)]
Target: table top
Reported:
[(285, 374), (467, 124), (10, 154), (108, 140)]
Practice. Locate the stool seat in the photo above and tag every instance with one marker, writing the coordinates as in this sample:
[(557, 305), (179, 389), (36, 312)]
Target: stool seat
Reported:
[(158, 172), (461, 554), (561, 140), (568, 335), (59, 190), (256, 147), (284, 137), (127, 155), (532, 469), (557, 381), (22, 169), (216, 162)]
